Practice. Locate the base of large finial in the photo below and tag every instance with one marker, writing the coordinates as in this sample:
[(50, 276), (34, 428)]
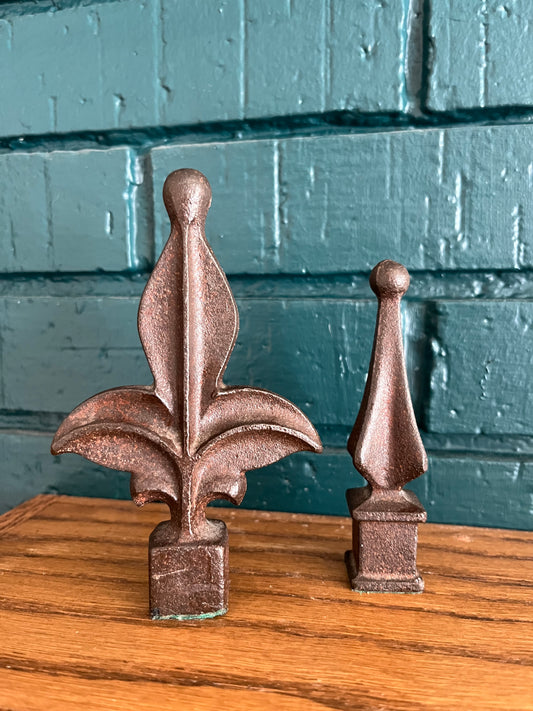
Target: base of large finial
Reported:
[(385, 536), (188, 580)]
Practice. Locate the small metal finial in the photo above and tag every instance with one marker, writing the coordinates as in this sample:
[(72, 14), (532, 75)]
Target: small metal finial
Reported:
[(387, 450), (187, 439)]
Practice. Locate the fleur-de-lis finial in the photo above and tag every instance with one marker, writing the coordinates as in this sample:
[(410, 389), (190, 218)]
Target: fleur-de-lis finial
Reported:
[(187, 439), (387, 450)]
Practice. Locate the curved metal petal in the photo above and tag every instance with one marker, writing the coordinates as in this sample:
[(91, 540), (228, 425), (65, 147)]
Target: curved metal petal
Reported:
[(240, 406), (135, 405), (127, 448), (224, 460)]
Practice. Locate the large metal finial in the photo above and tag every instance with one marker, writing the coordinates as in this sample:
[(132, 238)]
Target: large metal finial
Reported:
[(187, 439), (387, 450)]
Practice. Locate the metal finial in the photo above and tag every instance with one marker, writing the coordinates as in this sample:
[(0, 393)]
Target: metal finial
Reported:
[(187, 439), (387, 450)]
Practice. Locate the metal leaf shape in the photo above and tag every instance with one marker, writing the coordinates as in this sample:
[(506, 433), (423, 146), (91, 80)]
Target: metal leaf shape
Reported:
[(239, 406), (188, 340), (220, 469), (133, 405), (128, 448)]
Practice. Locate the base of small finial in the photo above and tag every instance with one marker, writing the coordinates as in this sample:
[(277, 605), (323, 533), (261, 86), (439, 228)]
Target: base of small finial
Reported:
[(385, 537), (361, 583), (188, 581)]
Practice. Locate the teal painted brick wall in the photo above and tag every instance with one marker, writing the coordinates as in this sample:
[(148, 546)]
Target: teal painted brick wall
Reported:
[(458, 198), (71, 211), (334, 134), (484, 58), (128, 64)]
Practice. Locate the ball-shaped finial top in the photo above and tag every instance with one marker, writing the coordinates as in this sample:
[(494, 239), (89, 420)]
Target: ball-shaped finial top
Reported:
[(187, 195), (389, 278)]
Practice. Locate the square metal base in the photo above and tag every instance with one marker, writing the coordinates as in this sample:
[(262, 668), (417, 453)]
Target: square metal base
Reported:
[(384, 540), (188, 580), (363, 584)]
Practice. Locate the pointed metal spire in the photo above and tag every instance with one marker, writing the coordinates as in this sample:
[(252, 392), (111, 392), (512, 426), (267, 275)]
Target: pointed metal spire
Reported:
[(387, 450), (385, 443)]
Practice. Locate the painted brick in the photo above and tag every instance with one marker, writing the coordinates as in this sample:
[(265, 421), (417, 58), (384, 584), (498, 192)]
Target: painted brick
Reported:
[(242, 222), (365, 51), (200, 61), (284, 75), (307, 483), (314, 55), (29, 469), (70, 211), (127, 64), (61, 351), (476, 492), (454, 490), (80, 68), (482, 364), (313, 352), (458, 198), (58, 351), (481, 56), (436, 199)]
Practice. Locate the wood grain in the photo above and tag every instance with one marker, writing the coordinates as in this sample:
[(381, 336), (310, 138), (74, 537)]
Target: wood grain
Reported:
[(75, 629)]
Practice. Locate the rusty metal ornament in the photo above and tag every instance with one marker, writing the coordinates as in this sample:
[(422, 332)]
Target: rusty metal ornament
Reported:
[(187, 439), (387, 450)]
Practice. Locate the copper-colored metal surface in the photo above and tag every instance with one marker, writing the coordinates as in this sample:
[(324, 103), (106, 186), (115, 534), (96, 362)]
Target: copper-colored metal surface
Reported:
[(387, 450), (187, 439)]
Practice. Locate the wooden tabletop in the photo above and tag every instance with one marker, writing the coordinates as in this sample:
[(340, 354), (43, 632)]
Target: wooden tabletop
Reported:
[(75, 631)]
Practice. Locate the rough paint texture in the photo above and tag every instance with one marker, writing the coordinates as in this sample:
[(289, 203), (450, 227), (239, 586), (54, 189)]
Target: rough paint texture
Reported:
[(177, 64), (434, 199), (71, 210), (483, 58), (334, 135)]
